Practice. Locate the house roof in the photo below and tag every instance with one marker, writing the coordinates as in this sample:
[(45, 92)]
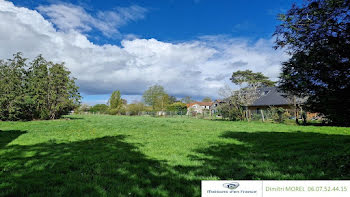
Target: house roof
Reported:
[(270, 96), (200, 103)]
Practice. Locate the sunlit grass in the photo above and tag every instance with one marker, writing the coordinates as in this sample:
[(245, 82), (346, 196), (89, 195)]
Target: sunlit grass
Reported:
[(100, 155)]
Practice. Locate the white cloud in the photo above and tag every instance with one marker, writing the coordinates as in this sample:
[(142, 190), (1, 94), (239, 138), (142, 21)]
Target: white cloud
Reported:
[(68, 17), (196, 68)]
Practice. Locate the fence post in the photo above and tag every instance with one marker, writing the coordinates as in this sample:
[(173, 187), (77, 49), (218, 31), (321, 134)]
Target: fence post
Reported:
[(262, 115)]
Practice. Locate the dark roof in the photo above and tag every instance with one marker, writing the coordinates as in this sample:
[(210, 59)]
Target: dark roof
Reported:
[(270, 96)]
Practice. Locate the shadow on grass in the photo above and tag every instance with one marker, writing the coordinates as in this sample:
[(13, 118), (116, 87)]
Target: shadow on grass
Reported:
[(105, 166), (276, 155), (72, 118), (219, 119), (109, 166), (8, 136)]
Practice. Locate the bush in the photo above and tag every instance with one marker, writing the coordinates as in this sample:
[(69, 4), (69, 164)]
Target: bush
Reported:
[(99, 108), (178, 107), (278, 114), (134, 109), (256, 116)]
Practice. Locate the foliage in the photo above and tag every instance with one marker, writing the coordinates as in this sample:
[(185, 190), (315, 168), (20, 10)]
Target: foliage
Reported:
[(172, 99), (256, 116), (316, 35), (115, 103), (251, 79), (156, 97), (135, 108), (277, 114), (178, 107), (99, 108), (206, 99), (40, 90), (249, 83), (232, 108), (83, 108), (145, 156), (187, 100)]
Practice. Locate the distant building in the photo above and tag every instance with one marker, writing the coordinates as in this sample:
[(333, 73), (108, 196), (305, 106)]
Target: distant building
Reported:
[(198, 107), (214, 108), (270, 97)]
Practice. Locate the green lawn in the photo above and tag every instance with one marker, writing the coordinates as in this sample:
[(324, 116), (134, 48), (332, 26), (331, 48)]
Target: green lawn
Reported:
[(105, 155)]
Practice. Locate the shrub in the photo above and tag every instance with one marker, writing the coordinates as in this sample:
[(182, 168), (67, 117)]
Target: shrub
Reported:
[(278, 114)]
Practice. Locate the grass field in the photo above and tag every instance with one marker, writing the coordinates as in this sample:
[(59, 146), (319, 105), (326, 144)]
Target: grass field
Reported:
[(105, 155)]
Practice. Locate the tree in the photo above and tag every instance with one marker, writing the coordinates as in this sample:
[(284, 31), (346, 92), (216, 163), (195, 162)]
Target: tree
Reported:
[(317, 37), (156, 97), (187, 100), (115, 102), (172, 99), (249, 83), (83, 108), (251, 79), (124, 101), (178, 107), (99, 108), (232, 105), (40, 90), (14, 103), (135, 108), (63, 95), (206, 99), (39, 86)]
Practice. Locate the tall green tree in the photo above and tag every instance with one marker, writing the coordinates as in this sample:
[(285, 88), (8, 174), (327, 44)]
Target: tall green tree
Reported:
[(40, 90), (249, 83), (115, 102), (63, 95), (38, 84), (156, 97), (14, 101), (251, 79), (317, 37)]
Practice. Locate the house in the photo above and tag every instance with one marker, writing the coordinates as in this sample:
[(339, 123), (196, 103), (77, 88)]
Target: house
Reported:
[(214, 108), (198, 107), (270, 97)]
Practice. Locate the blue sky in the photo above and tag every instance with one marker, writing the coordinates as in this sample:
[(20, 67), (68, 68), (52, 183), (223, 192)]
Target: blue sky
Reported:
[(139, 43), (178, 20)]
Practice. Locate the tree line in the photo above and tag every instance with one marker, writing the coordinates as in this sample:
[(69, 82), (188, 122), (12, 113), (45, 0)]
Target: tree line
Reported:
[(39, 89), (154, 99)]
